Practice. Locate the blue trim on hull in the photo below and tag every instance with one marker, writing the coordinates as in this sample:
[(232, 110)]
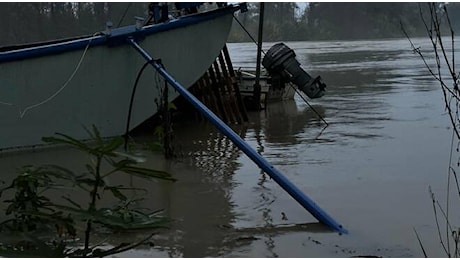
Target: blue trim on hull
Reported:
[(118, 36)]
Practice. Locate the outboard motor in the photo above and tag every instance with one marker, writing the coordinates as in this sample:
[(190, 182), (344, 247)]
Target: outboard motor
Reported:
[(280, 59)]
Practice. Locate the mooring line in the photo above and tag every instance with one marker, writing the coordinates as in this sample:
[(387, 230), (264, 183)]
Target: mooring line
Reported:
[(248, 33), (312, 108)]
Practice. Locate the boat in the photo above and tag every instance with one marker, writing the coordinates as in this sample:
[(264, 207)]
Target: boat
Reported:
[(281, 78), (67, 85), (43, 93), (273, 89)]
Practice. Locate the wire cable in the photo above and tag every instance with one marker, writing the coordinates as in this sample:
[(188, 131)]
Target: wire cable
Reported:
[(131, 102), (312, 108), (248, 33), (124, 14)]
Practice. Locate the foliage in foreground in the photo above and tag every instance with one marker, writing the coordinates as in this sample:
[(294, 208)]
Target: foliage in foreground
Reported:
[(40, 226)]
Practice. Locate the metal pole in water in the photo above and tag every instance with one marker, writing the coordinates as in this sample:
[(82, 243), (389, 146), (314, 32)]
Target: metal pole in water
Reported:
[(277, 176), (257, 87)]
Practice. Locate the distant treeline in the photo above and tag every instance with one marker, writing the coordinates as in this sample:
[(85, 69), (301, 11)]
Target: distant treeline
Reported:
[(338, 21), (22, 22)]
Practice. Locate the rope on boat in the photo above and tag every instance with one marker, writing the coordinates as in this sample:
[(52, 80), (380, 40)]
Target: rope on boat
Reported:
[(63, 86), (23, 112), (6, 104)]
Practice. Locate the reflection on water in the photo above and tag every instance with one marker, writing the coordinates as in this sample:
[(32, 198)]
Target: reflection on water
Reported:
[(370, 169)]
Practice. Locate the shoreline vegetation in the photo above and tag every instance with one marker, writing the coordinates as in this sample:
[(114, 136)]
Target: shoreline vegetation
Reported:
[(284, 21), (337, 21)]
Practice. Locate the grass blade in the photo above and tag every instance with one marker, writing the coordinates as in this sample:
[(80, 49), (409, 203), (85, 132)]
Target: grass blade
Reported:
[(420, 243)]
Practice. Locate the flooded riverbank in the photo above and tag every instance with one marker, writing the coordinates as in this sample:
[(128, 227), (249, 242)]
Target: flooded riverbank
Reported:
[(387, 141)]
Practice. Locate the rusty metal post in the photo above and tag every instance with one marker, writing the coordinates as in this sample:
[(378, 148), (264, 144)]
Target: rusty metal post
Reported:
[(236, 88), (257, 88), (229, 89), (224, 93), (216, 90)]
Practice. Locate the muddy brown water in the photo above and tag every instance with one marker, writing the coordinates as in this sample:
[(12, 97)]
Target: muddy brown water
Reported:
[(387, 142)]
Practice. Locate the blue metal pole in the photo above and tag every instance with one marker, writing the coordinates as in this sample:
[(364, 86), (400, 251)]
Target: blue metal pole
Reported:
[(279, 178)]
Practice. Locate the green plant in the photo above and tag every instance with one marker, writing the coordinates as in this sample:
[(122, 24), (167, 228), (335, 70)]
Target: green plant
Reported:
[(29, 207), (31, 210)]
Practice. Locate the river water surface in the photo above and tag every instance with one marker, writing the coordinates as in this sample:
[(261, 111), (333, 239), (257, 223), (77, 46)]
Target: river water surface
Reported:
[(387, 142)]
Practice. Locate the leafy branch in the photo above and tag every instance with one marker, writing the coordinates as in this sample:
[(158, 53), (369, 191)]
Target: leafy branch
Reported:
[(31, 210)]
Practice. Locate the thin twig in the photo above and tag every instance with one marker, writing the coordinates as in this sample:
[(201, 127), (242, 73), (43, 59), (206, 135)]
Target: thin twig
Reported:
[(434, 27), (448, 186), (437, 222), (445, 216), (456, 180), (420, 243)]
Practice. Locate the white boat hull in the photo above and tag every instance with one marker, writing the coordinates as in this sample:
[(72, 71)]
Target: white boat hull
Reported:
[(36, 100)]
